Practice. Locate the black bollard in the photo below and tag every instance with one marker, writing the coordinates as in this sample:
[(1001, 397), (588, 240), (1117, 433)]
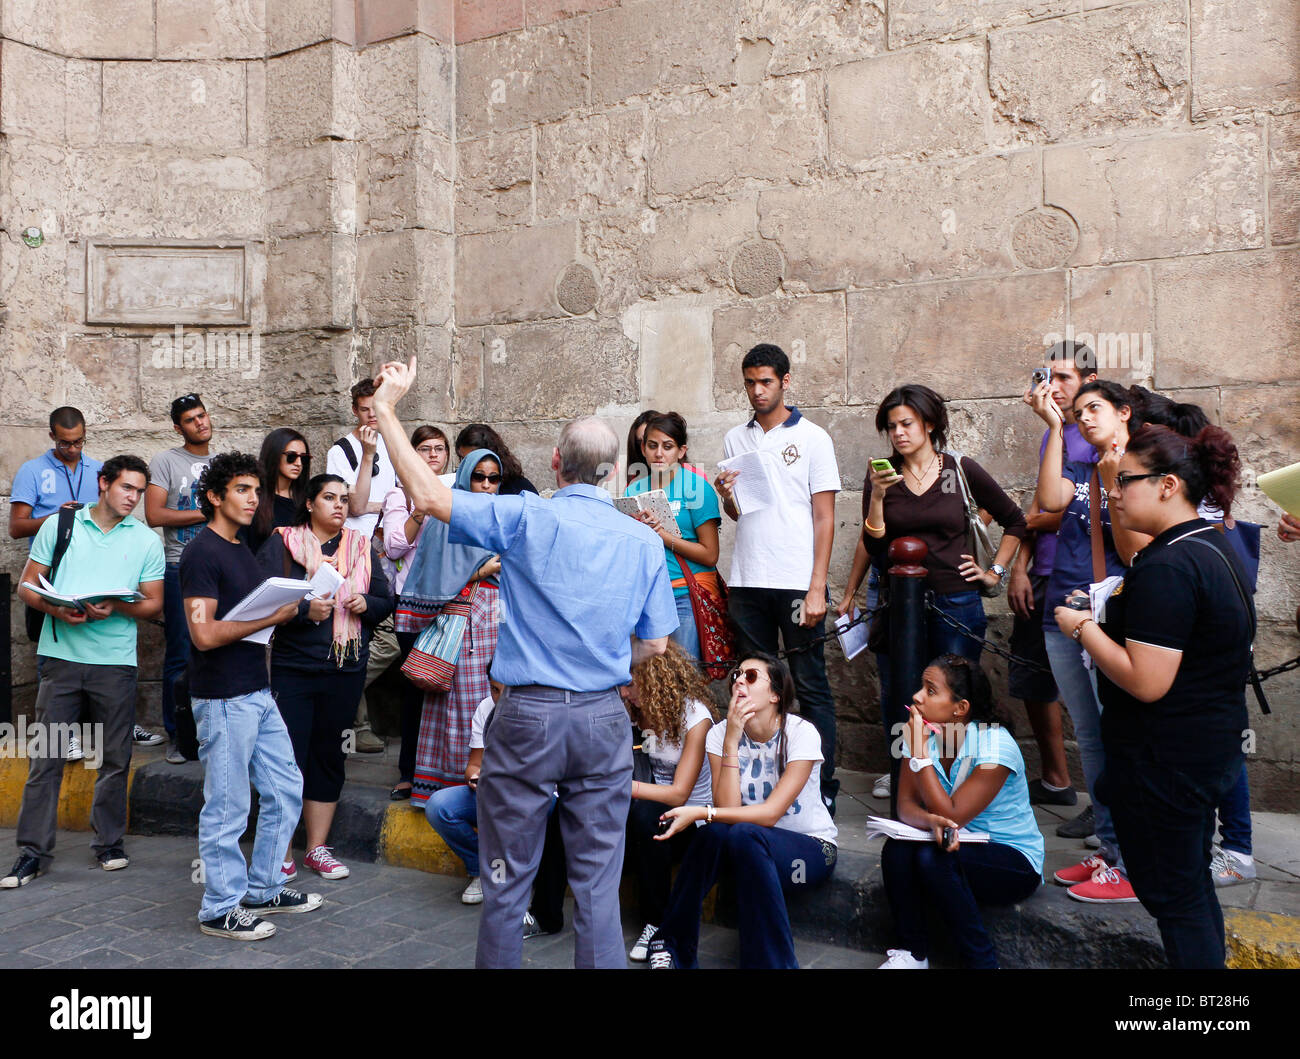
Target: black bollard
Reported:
[(6, 662), (907, 639)]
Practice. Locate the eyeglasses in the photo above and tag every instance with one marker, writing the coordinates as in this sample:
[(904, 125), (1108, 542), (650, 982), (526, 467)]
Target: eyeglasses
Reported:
[(75, 444), (294, 457), (479, 476), (432, 450), (1122, 479), (750, 675)]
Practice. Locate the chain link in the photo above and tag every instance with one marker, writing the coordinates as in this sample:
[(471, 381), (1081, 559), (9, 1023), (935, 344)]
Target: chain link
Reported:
[(863, 616), (1285, 667), (988, 645)]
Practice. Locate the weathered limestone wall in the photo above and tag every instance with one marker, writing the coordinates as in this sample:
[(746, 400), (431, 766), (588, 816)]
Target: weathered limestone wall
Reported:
[(574, 206)]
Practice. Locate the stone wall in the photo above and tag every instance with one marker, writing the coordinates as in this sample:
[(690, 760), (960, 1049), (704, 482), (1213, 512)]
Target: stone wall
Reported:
[(574, 206)]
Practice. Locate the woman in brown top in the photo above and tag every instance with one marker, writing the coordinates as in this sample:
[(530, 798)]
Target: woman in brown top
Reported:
[(922, 498)]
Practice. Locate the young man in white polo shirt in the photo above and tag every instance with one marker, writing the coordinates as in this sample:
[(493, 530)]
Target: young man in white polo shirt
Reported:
[(782, 552)]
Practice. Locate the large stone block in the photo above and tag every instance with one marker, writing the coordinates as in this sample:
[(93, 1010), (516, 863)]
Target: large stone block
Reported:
[(704, 145), (406, 84), (913, 20), (199, 104), (1210, 334), (476, 19), (293, 24), (383, 19), (1245, 56), (1078, 78), (925, 222), (1262, 422), (31, 375), (310, 282), (589, 164), (17, 446), (664, 44), (211, 29), (675, 347), (1002, 435), (514, 80), (1111, 309), (790, 36), (431, 399), (102, 378), (404, 278), (312, 188), (587, 364), (123, 29), (540, 12), (32, 187), (1284, 178), (405, 182), (968, 339), (504, 276), (33, 87), (494, 182), (84, 95), (312, 94), (853, 433), (1176, 194), (810, 330)]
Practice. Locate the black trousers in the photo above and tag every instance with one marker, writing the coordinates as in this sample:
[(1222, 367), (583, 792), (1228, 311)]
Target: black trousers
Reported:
[(317, 707)]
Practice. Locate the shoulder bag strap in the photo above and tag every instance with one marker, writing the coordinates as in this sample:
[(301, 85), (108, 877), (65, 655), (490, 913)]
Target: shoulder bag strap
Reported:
[(1095, 531), (1255, 682), (67, 522)]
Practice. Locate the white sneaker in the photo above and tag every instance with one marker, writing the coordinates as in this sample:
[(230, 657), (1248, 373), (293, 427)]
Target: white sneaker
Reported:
[(141, 736), (902, 960), (75, 752), (640, 952), (1229, 867), (473, 893), (880, 789)]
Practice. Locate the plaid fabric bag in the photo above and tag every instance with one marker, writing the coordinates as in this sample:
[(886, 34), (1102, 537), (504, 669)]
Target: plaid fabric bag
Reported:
[(431, 665), (717, 641)]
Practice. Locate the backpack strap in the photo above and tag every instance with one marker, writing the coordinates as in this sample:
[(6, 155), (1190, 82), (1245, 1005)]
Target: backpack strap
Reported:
[(1095, 529), (63, 537), (342, 443), (1255, 682)]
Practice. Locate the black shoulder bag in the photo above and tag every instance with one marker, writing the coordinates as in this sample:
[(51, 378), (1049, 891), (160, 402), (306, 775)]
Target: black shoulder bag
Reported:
[(1255, 682)]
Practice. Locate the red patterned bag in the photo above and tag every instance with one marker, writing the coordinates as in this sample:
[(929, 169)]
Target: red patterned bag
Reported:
[(431, 665), (717, 640)]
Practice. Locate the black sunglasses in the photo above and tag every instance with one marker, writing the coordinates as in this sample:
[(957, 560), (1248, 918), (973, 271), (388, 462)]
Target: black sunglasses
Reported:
[(479, 476), (750, 675), (185, 403), (294, 457)]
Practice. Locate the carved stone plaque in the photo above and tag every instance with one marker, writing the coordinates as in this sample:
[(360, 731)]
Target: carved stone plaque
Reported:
[(166, 281)]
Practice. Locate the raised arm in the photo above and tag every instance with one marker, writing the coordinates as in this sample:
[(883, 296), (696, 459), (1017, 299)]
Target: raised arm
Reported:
[(423, 487), (684, 776)]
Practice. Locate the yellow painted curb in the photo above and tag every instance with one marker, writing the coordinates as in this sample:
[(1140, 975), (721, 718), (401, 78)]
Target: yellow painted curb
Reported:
[(407, 841), (75, 796), (1259, 940)]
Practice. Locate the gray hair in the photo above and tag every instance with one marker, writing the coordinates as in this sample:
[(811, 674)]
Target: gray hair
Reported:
[(588, 451)]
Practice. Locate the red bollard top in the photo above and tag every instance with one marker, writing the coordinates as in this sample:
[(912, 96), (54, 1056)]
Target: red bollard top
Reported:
[(907, 555)]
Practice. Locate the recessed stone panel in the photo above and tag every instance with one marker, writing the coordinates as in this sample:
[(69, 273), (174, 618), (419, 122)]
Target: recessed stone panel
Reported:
[(166, 283), (676, 354)]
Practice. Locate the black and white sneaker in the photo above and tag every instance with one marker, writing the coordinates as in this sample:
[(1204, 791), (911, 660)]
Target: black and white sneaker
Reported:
[(640, 951), (660, 958), (25, 869), (286, 901), (239, 924), (113, 859), (141, 736)]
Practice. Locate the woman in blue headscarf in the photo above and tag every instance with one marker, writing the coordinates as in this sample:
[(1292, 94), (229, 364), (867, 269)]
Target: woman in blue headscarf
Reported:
[(440, 572)]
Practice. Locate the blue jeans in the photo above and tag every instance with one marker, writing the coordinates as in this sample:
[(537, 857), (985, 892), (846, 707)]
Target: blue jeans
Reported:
[(453, 813), (243, 739), (766, 863), (1078, 688), (686, 637), (920, 876), (1234, 816), (176, 634)]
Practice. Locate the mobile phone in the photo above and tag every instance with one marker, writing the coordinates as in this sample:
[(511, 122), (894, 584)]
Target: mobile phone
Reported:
[(1037, 378), (664, 825), (1077, 602), (948, 834), (883, 467)]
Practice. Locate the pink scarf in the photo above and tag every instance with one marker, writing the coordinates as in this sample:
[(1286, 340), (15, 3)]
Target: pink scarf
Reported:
[(353, 558)]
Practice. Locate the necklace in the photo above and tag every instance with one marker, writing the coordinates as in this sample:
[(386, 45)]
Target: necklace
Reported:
[(924, 474)]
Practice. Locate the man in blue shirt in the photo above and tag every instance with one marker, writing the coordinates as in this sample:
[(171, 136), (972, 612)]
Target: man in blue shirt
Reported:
[(64, 475), (578, 581)]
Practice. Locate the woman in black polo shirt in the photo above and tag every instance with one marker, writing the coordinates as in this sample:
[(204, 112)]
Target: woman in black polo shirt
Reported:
[(1173, 660)]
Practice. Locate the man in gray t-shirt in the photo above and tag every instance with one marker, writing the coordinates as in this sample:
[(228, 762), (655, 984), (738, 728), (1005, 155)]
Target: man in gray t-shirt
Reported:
[(176, 471)]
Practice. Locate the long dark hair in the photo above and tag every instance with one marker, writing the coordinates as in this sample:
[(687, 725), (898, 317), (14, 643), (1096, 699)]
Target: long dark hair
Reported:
[(1115, 395), (922, 400), (1208, 463), (482, 436), (778, 674), (312, 491), (637, 466), (273, 447), (967, 680), (1157, 409)]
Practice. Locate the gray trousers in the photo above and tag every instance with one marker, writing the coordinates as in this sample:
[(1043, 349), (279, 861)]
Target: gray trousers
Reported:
[(539, 740), (110, 693)]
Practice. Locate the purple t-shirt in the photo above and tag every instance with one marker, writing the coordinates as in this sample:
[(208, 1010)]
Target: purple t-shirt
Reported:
[(1076, 451)]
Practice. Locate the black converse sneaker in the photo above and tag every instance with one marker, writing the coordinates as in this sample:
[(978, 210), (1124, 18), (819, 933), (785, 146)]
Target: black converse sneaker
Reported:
[(286, 901), (239, 924), (25, 869)]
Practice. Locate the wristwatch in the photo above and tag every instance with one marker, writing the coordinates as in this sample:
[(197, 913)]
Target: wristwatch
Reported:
[(1001, 571), (916, 764), (1078, 629)]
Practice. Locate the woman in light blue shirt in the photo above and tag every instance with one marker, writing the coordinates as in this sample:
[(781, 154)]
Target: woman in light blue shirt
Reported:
[(970, 775)]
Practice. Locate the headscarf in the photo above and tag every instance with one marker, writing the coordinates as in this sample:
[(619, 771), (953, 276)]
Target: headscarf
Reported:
[(353, 558), (440, 569)]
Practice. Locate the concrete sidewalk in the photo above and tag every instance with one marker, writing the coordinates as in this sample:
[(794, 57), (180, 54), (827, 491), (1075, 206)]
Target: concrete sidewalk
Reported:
[(1049, 930)]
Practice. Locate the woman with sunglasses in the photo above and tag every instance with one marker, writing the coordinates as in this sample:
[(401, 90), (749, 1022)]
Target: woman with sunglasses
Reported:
[(1173, 659), (1103, 411), (962, 769), (482, 436), (768, 823), (401, 532), (439, 572), (286, 469), (669, 703)]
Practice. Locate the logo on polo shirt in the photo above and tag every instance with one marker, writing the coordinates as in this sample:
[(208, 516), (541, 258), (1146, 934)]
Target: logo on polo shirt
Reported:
[(790, 454)]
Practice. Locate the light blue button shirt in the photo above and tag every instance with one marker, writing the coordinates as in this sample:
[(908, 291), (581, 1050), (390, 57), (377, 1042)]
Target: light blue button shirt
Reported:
[(578, 579), (46, 483)]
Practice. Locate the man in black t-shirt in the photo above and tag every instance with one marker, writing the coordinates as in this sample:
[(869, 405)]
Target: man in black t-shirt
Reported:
[(240, 730)]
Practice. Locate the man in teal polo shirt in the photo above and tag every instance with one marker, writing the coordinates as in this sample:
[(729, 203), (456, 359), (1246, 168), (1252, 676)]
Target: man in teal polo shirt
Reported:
[(89, 656)]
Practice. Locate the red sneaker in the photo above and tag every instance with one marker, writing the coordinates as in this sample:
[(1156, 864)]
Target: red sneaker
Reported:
[(1106, 887), (322, 862), (1081, 872)]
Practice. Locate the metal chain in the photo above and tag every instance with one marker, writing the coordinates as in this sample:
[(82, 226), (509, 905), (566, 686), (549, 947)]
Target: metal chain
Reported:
[(865, 615), (1285, 667), (989, 645)]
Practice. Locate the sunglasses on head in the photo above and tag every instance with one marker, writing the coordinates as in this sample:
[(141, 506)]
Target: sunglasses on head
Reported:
[(185, 403), (294, 457), (750, 675), (479, 476)]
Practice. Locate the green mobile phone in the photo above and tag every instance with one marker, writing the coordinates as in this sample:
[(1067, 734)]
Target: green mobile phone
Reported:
[(883, 467)]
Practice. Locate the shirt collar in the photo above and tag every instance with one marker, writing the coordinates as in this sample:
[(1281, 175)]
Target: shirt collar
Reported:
[(83, 514), (591, 492), (791, 420)]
